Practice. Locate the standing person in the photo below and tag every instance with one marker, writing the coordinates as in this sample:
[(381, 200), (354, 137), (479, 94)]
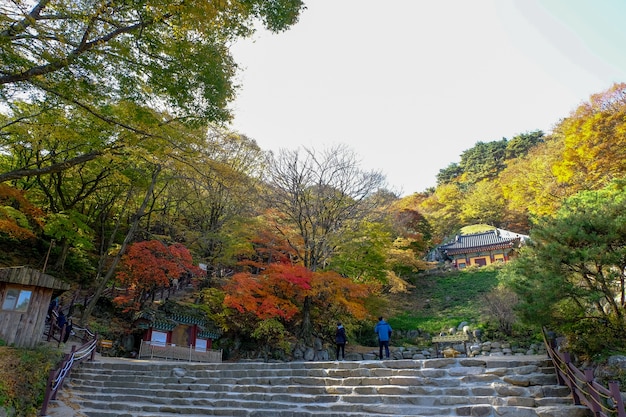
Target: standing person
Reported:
[(61, 322), (383, 330), (68, 330), (341, 340)]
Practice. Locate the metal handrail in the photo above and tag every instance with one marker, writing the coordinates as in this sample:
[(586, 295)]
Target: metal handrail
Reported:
[(602, 401)]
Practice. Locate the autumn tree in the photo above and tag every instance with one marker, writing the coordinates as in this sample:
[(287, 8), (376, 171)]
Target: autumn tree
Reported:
[(150, 265), (274, 298), (213, 195), (593, 140), (442, 209), (320, 195), (111, 62), (20, 220), (483, 203), (529, 185)]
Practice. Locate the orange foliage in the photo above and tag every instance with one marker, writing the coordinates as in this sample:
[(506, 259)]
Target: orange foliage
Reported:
[(14, 199), (151, 264), (279, 291), (336, 296), (274, 293)]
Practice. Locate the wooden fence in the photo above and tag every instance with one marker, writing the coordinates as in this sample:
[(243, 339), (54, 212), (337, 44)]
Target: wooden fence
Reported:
[(585, 390), (167, 351)]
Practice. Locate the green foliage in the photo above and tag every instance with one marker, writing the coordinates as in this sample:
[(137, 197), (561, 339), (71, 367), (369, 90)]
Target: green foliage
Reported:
[(484, 160), (570, 275), (361, 255), (72, 227), (449, 174), (521, 144), (272, 334)]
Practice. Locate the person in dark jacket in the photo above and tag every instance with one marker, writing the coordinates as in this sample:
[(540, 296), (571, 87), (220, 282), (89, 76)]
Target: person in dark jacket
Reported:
[(340, 340), (383, 331), (68, 330), (61, 320)]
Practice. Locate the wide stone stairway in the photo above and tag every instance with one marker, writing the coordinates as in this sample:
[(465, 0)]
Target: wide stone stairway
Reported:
[(490, 387)]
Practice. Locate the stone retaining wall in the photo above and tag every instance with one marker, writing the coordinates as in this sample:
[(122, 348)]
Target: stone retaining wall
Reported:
[(474, 349)]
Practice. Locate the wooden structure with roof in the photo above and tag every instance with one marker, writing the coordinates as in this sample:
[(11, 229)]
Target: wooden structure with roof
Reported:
[(480, 249), (25, 294), (180, 330)]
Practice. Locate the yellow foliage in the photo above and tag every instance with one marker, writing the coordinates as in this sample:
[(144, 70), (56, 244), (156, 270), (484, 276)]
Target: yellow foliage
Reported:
[(397, 284)]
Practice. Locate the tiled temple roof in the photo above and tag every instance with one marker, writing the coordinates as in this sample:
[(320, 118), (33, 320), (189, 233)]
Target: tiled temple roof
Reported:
[(478, 242), (168, 324), (209, 335)]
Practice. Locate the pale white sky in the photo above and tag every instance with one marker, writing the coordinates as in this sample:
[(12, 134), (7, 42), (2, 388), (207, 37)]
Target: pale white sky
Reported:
[(410, 84)]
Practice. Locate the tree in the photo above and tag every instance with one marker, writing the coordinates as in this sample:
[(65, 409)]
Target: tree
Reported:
[(110, 256), (483, 160), (20, 220), (111, 61), (442, 209), (213, 193), (272, 294), (529, 185), (483, 203), (572, 271), (150, 265), (594, 144), (521, 144), (279, 293), (319, 196), (362, 254), (449, 173)]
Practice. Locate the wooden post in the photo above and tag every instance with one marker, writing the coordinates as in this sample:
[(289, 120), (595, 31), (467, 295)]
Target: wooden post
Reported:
[(48, 394), (594, 402), (617, 398), (569, 380)]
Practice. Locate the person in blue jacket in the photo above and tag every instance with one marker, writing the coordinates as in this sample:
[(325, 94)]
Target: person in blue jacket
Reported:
[(383, 330)]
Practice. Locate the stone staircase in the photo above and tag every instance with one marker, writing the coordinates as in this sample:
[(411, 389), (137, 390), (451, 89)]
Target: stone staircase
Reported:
[(486, 387)]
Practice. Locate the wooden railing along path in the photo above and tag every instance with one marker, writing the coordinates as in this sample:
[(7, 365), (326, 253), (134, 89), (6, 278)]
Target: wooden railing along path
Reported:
[(585, 390), (57, 376)]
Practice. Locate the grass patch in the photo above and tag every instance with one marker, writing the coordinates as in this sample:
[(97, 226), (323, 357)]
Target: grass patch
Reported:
[(444, 301)]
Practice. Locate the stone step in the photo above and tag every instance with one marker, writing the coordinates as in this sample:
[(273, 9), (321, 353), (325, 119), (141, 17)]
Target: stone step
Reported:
[(104, 409), (436, 387), (331, 370), (550, 391), (142, 372), (233, 398)]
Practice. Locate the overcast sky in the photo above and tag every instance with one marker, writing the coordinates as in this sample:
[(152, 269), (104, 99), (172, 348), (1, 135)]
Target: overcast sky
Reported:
[(410, 84)]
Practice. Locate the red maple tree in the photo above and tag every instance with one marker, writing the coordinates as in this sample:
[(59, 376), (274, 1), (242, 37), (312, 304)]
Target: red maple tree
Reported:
[(279, 291), (150, 265)]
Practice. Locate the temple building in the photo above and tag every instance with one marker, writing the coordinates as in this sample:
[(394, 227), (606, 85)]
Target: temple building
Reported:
[(481, 249)]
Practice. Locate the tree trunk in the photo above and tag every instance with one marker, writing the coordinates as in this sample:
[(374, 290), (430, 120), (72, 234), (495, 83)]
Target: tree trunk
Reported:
[(102, 281), (306, 331), (65, 248)]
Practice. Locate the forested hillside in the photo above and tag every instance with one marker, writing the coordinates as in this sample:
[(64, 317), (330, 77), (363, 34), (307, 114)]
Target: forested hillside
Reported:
[(508, 182), (115, 172)]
